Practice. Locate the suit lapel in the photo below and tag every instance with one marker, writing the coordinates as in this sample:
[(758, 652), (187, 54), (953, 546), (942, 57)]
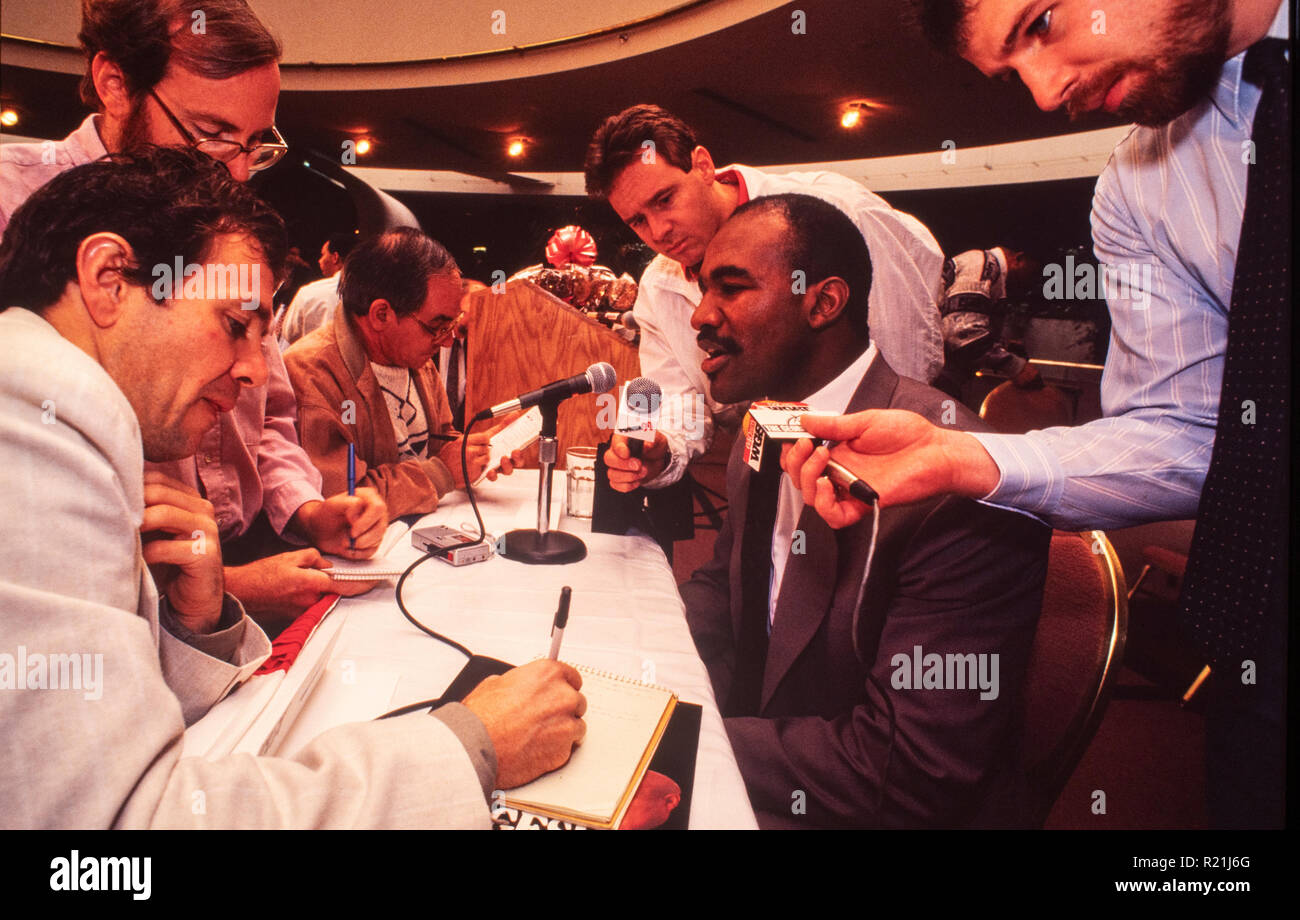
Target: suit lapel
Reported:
[(807, 591), (809, 586), (875, 392)]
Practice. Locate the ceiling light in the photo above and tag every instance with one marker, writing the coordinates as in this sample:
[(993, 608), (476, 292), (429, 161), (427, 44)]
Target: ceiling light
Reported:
[(516, 148), (854, 114), (363, 146), (9, 118)]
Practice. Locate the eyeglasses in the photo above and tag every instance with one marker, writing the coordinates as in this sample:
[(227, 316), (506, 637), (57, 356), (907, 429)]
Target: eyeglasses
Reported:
[(260, 156), (445, 326)]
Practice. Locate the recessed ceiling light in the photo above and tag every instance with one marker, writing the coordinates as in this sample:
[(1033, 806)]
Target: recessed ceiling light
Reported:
[(363, 146), (9, 118), (516, 147), (854, 114)]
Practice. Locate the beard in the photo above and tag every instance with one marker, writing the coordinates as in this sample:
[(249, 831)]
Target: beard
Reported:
[(137, 130), (1189, 51)]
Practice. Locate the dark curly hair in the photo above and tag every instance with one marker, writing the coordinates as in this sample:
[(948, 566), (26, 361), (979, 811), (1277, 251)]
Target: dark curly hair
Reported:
[(164, 201), (619, 139), (395, 266), (143, 36)]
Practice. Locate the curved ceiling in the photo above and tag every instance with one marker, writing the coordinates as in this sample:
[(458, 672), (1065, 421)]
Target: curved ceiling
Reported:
[(418, 43), (766, 89)]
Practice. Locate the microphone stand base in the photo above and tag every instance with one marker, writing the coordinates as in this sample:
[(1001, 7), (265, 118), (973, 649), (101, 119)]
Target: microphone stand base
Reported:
[(534, 548)]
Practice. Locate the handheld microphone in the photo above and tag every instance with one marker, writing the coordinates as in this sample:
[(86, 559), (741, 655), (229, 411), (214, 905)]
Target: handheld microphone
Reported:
[(638, 412), (625, 318), (769, 423), (843, 476), (598, 378)]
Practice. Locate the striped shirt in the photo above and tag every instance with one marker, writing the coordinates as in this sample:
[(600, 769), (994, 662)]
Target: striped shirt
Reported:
[(1166, 216)]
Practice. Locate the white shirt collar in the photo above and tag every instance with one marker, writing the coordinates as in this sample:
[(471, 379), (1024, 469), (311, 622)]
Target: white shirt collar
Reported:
[(835, 396)]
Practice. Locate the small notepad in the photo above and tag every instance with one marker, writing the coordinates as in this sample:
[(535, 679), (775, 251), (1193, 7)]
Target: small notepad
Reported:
[(520, 434), (376, 567), (625, 720)]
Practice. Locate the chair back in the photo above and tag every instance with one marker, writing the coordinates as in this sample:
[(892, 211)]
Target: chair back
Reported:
[(1078, 647), (1010, 409)]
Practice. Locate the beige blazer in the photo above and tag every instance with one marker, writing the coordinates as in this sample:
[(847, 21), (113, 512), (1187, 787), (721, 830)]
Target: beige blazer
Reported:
[(93, 736)]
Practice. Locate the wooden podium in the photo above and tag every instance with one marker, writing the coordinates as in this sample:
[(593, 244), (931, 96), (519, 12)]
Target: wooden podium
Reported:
[(524, 338)]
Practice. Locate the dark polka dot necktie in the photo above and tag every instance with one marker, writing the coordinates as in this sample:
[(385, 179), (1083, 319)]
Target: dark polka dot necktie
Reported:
[(1234, 598)]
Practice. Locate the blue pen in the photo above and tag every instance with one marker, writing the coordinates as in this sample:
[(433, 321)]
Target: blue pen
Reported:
[(352, 481)]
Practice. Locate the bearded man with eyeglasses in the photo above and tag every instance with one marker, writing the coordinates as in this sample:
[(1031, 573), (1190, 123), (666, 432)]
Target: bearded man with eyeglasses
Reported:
[(204, 74), (169, 73)]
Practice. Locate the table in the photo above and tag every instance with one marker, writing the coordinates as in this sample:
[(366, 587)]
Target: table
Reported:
[(626, 618)]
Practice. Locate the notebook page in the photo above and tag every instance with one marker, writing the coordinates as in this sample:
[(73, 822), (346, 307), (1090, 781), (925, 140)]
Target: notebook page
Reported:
[(621, 719)]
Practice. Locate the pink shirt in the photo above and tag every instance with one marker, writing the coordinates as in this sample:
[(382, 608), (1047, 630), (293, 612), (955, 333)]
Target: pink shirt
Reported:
[(251, 458), (26, 167)]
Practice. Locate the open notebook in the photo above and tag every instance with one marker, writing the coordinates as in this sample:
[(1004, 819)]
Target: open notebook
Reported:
[(376, 567), (625, 721)]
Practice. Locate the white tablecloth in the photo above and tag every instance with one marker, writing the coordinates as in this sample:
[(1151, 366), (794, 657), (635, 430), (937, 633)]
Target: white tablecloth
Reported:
[(626, 617)]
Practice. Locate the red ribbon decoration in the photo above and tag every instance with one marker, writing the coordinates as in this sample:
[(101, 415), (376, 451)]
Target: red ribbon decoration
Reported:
[(571, 244)]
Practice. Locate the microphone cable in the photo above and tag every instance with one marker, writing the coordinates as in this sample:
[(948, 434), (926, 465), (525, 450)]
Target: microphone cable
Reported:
[(469, 488), (416, 623), (482, 533), (889, 703)]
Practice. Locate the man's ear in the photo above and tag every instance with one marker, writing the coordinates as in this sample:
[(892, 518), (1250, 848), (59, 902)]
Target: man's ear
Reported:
[(111, 85), (102, 260), (702, 162), (830, 297), (381, 313)]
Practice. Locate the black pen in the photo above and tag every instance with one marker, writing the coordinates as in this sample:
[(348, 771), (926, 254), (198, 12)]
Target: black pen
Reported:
[(561, 618)]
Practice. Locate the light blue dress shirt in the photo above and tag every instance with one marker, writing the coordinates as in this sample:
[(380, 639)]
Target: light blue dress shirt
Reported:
[(1167, 211)]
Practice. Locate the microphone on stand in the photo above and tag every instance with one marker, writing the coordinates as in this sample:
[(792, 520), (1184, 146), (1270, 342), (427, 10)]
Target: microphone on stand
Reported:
[(543, 546), (599, 378)]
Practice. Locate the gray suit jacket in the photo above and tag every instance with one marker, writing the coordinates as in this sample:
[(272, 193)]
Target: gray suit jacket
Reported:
[(95, 740), (838, 738)]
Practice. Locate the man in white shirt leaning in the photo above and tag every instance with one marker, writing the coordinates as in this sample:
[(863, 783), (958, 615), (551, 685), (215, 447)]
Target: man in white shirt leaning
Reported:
[(655, 174)]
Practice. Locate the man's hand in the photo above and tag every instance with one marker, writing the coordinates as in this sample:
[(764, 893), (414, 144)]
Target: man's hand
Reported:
[(626, 472), (899, 454), (533, 715), (278, 588), (479, 452), (183, 551), (329, 524)]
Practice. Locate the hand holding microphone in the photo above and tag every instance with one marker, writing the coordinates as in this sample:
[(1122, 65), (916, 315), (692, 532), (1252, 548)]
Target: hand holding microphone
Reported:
[(638, 451), (785, 428)]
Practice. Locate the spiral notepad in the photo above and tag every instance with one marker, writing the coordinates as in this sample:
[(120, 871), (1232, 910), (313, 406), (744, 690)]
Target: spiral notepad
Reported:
[(625, 720), (376, 568)]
